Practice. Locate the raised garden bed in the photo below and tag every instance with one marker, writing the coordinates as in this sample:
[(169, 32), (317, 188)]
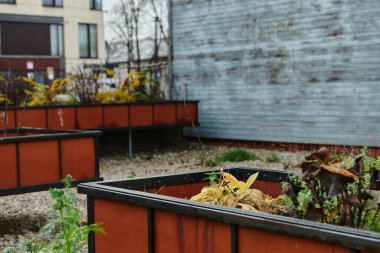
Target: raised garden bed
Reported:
[(106, 117), (37, 159), (138, 219)]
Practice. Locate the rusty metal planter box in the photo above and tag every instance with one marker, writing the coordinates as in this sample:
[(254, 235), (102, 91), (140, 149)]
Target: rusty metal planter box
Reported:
[(106, 117), (36, 159), (139, 220)]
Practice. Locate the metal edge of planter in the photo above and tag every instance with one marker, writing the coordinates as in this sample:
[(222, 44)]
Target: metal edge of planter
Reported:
[(100, 104), (43, 187), (347, 237), (46, 134), (150, 127)]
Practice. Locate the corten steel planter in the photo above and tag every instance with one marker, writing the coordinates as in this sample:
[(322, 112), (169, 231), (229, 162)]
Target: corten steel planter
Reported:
[(106, 117), (38, 159), (139, 220)]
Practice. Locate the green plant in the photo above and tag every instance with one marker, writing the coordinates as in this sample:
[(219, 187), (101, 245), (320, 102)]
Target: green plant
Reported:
[(344, 191), (213, 177), (64, 233), (132, 174), (237, 155), (272, 158)]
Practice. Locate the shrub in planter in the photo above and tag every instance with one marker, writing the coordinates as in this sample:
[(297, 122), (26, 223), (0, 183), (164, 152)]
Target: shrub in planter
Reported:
[(81, 101), (155, 214), (336, 190)]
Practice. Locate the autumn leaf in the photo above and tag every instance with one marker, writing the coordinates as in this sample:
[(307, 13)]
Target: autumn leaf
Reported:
[(308, 169), (250, 181), (322, 156), (333, 183), (375, 179), (358, 168)]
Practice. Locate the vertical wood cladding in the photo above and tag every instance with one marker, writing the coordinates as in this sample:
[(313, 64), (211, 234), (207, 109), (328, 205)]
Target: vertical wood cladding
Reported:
[(281, 70)]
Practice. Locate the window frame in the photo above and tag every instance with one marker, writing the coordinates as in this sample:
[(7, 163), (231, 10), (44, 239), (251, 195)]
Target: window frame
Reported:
[(54, 4), (9, 2), (93, 5), (88, 34)]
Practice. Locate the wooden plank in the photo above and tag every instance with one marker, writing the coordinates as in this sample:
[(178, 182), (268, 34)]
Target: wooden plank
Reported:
[(281, 70)]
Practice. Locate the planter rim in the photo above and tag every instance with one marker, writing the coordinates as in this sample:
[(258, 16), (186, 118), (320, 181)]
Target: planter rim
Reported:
[(46, 134), (99, 104), (344, 236), (43, 187)]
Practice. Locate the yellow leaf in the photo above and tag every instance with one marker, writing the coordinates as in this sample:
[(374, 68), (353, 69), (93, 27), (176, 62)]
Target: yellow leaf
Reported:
[(231, 181), (250, 181)]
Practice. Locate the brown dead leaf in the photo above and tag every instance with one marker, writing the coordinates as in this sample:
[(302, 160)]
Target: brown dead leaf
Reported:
[(322, 156), (308, 169), (375, 179)]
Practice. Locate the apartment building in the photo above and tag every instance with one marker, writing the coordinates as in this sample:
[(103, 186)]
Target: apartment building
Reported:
[(41, 35)]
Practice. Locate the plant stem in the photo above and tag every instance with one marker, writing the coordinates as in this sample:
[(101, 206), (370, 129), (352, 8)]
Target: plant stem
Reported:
[(374, 217)]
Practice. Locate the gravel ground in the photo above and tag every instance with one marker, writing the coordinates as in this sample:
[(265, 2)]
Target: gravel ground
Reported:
[(25, 214)]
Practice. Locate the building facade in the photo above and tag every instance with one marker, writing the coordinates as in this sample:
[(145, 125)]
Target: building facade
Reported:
[(50, 35), (280, 70)]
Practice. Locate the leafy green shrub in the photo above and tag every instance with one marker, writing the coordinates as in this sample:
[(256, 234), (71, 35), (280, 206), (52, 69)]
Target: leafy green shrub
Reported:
[(63, 234), (341, 192), (238, 155), (273, 158)]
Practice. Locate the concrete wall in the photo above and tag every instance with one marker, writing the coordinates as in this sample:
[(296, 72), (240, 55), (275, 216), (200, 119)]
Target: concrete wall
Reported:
[(73, 12), (301, 71)]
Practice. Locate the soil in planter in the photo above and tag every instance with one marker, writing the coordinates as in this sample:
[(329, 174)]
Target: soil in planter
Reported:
[(335, 189)]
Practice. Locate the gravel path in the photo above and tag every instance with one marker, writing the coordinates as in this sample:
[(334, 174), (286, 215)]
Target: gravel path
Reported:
[(25, 214)]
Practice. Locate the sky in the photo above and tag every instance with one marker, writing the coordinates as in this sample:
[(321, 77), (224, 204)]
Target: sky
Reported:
[(145, 30), (107, 4)]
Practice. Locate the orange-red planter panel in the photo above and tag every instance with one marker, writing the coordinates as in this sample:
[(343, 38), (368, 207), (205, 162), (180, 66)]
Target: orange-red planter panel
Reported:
[(90, 117), (164, 114), (272, 188), (141, 115), (260, 241), (116, 116), (187, 113), (78, 157), (10, 116), (8, 165), (31, 118), (61, 118), (126, 226), (174, 233), (39, 162)]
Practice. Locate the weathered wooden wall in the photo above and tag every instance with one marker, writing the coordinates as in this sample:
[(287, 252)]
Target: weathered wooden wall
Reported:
[(302, 71)]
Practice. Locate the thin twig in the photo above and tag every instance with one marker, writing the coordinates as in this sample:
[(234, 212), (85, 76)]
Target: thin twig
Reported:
[(157, 192)]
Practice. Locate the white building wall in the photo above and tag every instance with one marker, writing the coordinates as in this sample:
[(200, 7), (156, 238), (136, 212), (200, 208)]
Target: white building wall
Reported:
[(73, 12)]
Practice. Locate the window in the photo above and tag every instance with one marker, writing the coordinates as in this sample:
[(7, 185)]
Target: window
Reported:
[(88, 41), (52, 3), (95, 4), (56, 40), (7, 1), (25, 39), (31, 39)]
